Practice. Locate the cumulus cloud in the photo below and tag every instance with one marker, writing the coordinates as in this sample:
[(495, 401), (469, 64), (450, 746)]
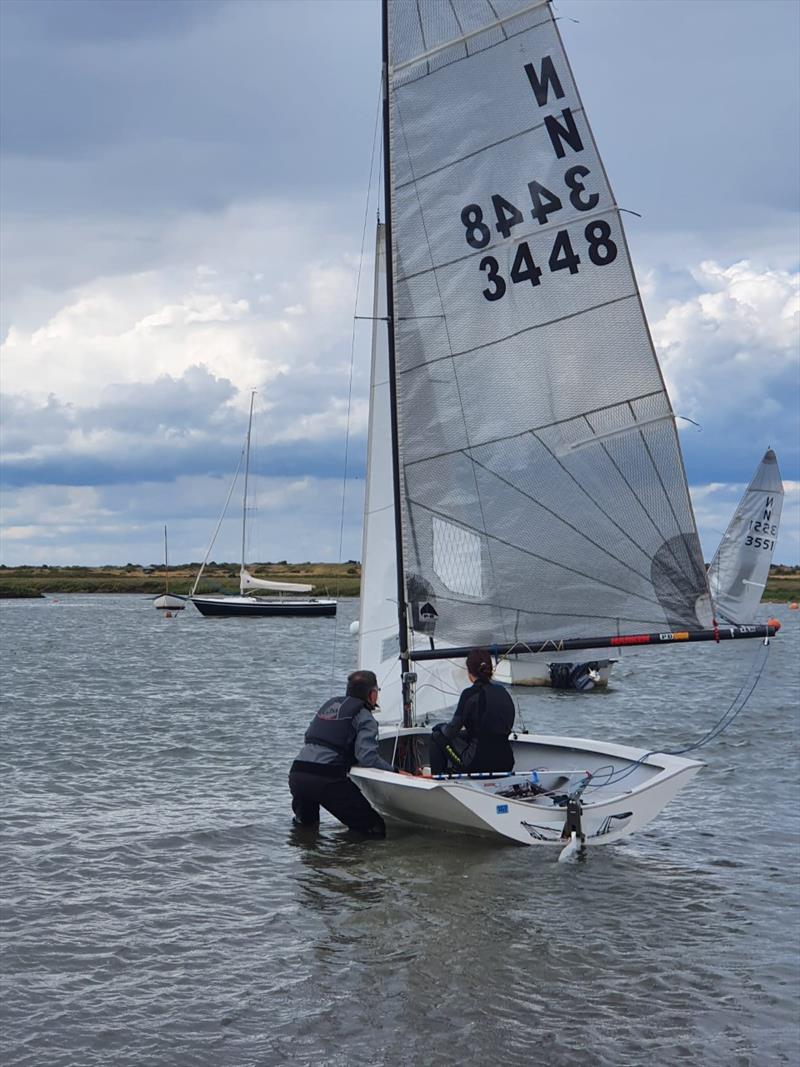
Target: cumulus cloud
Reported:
[(742, 324), (728, 346), (255, 317)]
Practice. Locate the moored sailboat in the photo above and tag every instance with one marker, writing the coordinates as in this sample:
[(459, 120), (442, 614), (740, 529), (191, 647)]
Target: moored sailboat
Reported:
[(537, 489), (247, 605), (168, 601)]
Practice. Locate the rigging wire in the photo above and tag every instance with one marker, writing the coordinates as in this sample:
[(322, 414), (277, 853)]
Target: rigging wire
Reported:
[(352, 364), (731, 713), (222, 516)]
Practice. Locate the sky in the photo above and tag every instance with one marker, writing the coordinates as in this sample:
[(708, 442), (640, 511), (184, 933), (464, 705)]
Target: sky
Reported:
[(185, 196)]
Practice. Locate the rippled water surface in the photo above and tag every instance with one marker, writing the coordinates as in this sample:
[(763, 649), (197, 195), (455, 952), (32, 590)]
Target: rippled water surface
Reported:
[(158, 909)]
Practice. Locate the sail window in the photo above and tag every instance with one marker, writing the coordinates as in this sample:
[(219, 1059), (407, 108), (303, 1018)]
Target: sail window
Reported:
[(457, 558)]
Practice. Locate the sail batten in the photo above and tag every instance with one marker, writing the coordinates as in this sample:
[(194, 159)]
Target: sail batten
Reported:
[(540, 471), (464, 36)]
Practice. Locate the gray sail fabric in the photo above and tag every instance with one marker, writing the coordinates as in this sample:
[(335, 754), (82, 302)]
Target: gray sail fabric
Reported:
[(740, 568), (542, 483)]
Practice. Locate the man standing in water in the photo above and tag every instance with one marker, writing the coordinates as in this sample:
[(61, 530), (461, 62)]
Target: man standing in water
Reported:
[(342, 733)]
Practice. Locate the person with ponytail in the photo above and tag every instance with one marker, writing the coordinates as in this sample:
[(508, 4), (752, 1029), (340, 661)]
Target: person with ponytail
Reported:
[(476, 738)]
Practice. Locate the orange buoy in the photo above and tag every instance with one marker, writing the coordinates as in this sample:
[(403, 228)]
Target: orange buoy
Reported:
[(793, 606), (774, 622)]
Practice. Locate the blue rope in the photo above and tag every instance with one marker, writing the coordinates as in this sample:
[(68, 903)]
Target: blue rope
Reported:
[(732, 712)]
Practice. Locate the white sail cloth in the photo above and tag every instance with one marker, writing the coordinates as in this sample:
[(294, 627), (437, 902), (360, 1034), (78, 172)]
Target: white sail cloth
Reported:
[(378, 641), (740, 568), (542, 486), (247, 581)]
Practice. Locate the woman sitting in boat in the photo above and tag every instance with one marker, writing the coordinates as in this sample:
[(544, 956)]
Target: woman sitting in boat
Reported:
[(476, 738)]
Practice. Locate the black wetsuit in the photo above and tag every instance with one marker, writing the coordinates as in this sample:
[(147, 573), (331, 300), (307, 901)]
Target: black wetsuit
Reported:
[(477, 733)]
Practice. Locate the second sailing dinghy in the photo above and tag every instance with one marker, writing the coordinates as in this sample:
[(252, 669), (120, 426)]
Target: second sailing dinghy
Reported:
[(740, 568), (525, 486)]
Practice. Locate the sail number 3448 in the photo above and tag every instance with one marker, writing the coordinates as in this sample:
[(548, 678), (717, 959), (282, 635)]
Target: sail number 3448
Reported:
[(563, 256)]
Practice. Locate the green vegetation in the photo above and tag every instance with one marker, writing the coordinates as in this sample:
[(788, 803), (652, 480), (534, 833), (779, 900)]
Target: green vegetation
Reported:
[(331, 579), (783, 585)]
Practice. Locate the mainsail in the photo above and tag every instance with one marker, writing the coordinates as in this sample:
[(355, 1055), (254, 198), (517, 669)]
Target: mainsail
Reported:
[(740, 568), (541, 481)]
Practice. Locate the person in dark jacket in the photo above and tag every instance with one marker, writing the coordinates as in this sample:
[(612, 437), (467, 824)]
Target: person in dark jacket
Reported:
[(476, 738), (342, 733)]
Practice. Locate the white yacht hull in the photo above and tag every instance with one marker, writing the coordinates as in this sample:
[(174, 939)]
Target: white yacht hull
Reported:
[(170, 602), (476, 804)]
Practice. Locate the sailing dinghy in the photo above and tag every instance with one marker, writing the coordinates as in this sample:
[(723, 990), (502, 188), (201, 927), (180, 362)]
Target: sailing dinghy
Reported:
[(525, 487), (168, 601), (248, 606), (740, 568)]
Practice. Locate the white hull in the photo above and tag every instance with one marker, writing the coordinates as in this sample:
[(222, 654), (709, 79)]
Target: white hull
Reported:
[(473, 805), (170, 602), (532, 670)]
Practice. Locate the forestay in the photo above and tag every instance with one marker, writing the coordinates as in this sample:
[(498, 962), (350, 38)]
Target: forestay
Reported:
[(542, 486), (740, 568)]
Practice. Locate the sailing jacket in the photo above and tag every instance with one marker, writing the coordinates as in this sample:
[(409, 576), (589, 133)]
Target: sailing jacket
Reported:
[(342, 733), (484, 717)]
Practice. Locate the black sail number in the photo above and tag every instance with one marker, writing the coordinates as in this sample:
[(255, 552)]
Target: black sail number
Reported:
[(573, 181), (602, 249), (492, 268), (563, 256), (477, 234)]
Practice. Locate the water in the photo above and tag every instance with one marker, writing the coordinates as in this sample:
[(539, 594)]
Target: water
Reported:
[(159, 909)]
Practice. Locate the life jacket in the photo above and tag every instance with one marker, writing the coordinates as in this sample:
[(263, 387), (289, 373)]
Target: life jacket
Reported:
[(333, 727), (488, 722)]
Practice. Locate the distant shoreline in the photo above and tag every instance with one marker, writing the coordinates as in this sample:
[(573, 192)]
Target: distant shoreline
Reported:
[(327, 579), (331, 579)]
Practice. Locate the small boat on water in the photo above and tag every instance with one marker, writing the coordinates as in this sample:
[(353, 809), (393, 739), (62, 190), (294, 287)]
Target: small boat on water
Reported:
[(168, 601), (525, 487), (245, 605)]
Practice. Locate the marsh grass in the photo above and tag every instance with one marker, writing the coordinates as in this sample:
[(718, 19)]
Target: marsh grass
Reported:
[(331, 579)]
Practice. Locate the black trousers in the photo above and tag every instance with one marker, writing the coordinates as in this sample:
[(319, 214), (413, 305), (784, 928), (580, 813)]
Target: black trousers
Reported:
[(442, 761), (341, 797)]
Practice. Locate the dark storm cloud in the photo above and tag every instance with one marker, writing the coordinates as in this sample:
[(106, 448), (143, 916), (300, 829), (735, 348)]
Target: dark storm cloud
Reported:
[(139, 107), (175, 406), (694, 106), (152, 432), (108, 20), (152, 461)]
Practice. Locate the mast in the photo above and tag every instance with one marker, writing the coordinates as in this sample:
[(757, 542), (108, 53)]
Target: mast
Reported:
[(244, 496), (166, 563), (402, 620)]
